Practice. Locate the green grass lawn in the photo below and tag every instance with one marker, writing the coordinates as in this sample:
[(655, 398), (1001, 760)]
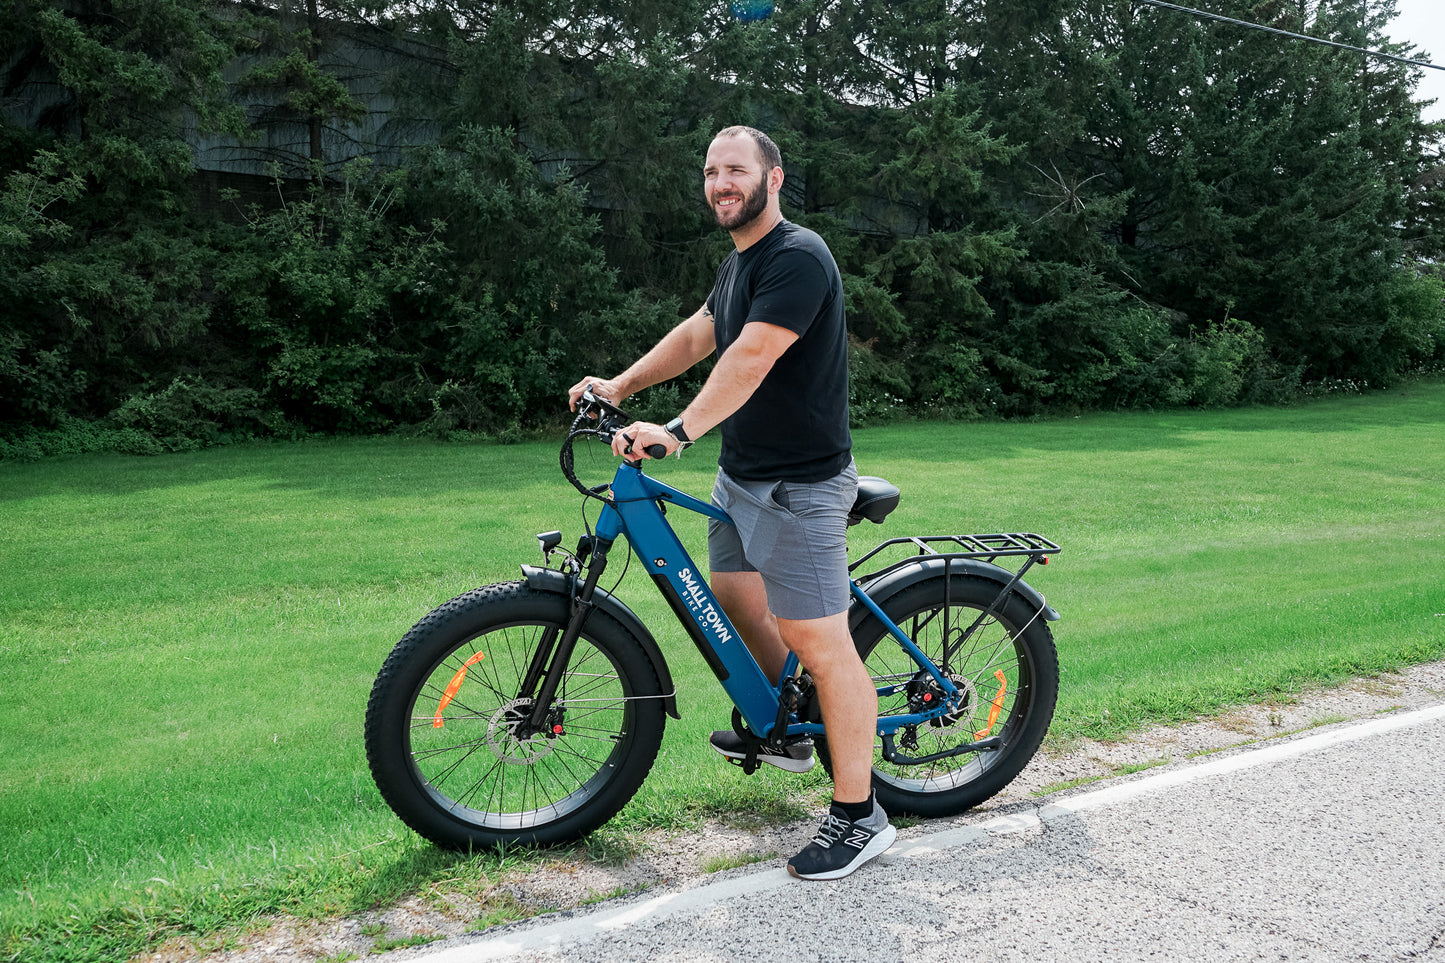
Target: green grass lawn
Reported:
[(187, 642)]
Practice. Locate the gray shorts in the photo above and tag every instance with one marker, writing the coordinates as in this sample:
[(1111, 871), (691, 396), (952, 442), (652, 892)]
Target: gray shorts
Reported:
[(795, 534)]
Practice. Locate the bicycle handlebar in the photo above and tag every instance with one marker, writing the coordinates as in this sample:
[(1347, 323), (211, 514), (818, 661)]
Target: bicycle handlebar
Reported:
[(610, 420), (657, 452), (615, 419)]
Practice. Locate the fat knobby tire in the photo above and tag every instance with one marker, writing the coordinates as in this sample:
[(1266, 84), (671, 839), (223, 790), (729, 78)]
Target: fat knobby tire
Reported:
[(1017, 707), (441, 724)]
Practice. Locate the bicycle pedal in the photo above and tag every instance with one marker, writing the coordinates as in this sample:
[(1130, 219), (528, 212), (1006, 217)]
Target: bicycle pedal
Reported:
[(743, 765)]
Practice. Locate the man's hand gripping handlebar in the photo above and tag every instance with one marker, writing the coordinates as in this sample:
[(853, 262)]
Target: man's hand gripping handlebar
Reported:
[(613, 424)]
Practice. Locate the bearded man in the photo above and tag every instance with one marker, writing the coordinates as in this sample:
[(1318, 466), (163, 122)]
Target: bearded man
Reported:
[(779, 396)]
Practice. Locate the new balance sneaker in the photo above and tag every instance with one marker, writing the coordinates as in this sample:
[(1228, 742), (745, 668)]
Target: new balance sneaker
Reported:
[(794, 757), (842, 845)]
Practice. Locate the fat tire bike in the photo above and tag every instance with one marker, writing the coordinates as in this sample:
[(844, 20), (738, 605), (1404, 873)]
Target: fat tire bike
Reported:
[(529, 712)]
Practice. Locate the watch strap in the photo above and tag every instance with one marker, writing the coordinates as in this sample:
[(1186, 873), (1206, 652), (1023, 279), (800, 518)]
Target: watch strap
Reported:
[(675, 429)]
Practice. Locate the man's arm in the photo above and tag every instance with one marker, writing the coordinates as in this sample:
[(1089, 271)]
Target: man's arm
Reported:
[(680, 349), (737, 375)]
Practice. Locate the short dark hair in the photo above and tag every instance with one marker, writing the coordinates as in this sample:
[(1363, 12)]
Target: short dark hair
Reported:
[(767, 150)]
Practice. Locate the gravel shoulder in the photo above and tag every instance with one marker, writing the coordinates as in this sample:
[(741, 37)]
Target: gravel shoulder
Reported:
[(668, 860)]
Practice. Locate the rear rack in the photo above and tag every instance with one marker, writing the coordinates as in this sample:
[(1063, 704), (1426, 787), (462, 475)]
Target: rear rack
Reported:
[(985, 547)]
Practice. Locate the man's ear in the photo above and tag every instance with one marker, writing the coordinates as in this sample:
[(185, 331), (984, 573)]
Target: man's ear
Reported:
[(775, 180)]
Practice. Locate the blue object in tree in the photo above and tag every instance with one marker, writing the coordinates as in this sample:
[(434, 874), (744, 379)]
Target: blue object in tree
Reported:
[(749, 10)]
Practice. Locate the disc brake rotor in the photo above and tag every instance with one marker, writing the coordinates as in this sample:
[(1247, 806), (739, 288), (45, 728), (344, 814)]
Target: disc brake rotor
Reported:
[(502, 735), (967, 699)]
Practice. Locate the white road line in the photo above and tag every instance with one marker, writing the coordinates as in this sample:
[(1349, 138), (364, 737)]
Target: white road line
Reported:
[(603, 922)]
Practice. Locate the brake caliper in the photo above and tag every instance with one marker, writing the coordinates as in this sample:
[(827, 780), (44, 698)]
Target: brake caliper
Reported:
[(924, 693)]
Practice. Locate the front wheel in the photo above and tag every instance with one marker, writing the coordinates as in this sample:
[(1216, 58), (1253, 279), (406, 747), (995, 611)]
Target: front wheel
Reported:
[(448, 735), (1005, 668)]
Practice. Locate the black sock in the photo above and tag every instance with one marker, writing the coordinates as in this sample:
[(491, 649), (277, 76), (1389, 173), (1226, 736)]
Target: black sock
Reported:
[(855, 812)]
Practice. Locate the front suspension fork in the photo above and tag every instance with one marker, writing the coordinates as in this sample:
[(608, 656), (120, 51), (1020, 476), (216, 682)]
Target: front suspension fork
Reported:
[(554, 650)]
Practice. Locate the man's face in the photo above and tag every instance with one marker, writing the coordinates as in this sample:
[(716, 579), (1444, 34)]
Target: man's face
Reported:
[(734, 182)]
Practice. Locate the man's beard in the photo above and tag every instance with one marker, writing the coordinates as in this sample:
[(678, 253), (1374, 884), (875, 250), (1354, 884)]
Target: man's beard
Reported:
[(739, 217)]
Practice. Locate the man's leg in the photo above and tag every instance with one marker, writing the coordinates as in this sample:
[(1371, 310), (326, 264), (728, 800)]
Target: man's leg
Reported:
[(845, 694), (855, 828), (745, 601)]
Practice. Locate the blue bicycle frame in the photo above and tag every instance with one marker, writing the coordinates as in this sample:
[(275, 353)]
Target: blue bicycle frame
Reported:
[(636, 510), (529, 712)]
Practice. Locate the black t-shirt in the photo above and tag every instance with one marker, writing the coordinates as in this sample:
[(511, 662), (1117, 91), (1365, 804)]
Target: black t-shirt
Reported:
[(795, 425)]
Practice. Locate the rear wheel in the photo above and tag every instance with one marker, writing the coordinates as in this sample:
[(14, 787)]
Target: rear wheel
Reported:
[(1007, 674), (447, 731)]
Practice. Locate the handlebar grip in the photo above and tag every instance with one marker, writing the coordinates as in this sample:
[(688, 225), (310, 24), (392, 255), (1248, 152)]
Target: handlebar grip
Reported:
[(657, 452)]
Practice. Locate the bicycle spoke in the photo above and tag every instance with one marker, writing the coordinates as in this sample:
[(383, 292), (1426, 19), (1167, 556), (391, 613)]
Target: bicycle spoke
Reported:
[(474, 759), (986, 663)]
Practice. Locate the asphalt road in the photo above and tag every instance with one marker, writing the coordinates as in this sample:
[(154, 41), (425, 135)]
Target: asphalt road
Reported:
[(1327, 847)]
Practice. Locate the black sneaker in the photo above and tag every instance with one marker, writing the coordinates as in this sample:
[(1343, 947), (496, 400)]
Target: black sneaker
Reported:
[(794, 757), (841, 845)]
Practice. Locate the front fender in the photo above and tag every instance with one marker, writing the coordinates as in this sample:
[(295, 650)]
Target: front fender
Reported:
[(560, 583), (886, 586)]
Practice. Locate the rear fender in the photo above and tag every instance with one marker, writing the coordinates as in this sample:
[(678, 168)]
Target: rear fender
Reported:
[(927, 567), (560, 583)]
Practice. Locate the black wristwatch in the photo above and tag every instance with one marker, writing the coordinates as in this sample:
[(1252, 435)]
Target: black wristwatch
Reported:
[(674, 428)]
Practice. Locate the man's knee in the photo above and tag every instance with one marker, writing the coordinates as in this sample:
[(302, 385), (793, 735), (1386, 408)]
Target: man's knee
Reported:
[(815, 640)]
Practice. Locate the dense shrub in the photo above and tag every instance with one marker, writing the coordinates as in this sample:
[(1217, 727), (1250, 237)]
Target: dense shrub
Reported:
[(1083, 205)]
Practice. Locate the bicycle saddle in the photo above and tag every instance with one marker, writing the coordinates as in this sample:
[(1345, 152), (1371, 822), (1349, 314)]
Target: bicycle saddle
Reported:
[(876, 498)]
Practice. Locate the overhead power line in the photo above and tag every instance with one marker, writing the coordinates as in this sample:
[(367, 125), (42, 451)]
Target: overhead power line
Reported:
[(1206, 15)]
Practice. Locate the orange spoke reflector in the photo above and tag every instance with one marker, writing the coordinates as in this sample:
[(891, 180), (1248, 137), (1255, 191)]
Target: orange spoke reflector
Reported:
[(456, 683), (992, 713)]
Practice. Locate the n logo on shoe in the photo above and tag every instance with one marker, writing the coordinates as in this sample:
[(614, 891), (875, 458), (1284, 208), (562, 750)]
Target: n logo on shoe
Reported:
[(859, 839)]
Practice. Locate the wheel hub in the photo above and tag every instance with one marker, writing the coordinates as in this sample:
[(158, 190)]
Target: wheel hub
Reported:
[(925, 693), (510, 736)]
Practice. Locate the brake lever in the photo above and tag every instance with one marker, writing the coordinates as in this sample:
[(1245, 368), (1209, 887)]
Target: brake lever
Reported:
[(610, 420)]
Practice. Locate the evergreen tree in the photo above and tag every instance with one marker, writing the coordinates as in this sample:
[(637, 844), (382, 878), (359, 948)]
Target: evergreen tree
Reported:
[(1035, 205), (1241, 175), (93, 308)]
